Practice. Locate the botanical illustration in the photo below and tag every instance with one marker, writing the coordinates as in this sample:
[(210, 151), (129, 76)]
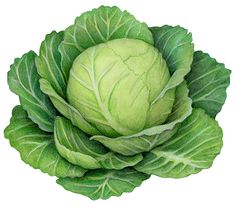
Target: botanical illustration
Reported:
[(109, 101)]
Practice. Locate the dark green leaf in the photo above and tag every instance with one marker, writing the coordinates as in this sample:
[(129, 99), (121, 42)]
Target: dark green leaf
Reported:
[(207, 82), (23, 81), (49, 62), (175, 44)]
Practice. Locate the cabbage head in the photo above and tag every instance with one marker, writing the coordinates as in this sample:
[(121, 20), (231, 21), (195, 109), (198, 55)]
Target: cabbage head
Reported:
[(109, 102)]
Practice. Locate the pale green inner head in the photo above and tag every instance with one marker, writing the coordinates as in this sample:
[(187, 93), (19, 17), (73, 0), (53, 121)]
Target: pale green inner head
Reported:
[(114, 84)]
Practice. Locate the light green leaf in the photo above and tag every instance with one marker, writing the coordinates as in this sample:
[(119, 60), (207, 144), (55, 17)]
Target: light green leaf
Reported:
[(193, 148), (102, 184), (113, 93), (97, 26), (150, 137), (134, 144), (76, 147), (65, 109), (37, 148), (207, 82), (175, 44), (23, 81), (114, 160), (49, 62)]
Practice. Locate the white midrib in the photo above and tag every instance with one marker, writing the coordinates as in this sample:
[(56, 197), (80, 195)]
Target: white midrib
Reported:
[(113, 123), (178, 158)]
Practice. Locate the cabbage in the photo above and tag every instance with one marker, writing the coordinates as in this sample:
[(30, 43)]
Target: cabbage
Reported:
[(109, 102)]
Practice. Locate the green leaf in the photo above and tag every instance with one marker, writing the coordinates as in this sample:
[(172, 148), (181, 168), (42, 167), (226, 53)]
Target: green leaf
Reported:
[(150, 137), (65, 109), (175, 44), (102, 184), (37, 148), (114, 160), (18, 113), (49, 62), (97, 26), (23, 81), (207, 82), (193, 148), (76, 147)]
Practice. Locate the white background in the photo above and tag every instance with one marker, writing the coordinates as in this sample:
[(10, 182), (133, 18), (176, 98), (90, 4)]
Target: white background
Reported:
[(23, 25)]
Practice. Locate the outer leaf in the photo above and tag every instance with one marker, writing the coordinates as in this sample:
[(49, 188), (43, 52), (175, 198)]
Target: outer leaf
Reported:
[(175, 44), (65, 109), (49, 62), (76, 147), (191, 149), (102, 184), (207, 82), (37, 147), (149, 138), (18, 113), (23, 81), (97, 26)]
